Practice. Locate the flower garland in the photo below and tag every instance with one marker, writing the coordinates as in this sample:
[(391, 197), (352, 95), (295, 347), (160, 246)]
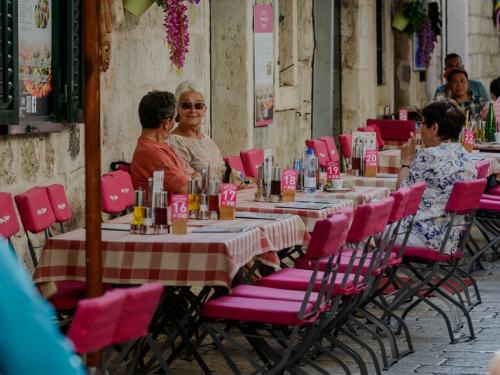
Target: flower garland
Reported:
[(176, 25), (426, 41)]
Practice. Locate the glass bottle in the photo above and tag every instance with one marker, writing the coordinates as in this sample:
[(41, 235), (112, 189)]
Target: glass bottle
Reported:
[(490, 124)]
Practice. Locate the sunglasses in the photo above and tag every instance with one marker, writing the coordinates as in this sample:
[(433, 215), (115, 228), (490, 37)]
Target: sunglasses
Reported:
[(187, 105)]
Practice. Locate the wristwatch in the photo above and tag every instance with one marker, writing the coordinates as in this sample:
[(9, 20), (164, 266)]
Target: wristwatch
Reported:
[(404, 166)]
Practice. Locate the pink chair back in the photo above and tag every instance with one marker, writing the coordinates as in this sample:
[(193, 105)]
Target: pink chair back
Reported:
[(137, 312), (320, 150), (125, 185), (236, 163), (112, 199), (328, 236), (9, 225), (417, 191), (251, 160), (373, 129), (35, 210), (345, 141), (96, 320), (347, 211), (393, 129), (466, 196), (59, 202), (482, 168), (330, 146), (370, 219), (401, 199)]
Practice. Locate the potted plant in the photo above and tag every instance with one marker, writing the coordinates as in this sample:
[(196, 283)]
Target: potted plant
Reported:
[(137, 7)]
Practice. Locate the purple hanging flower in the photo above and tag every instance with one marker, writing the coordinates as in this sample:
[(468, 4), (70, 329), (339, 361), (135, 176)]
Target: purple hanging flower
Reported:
[(426, 42)]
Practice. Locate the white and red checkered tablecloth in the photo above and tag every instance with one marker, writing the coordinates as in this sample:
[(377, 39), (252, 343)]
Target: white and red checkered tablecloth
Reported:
[(195, 259), (374, 182), (246, 202), (362, 195)]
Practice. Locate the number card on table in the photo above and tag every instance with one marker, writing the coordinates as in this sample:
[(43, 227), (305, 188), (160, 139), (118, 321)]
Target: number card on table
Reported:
[(371, 163), (179, 209), (228, 201), (403, 115), (469, 140), (289, 184), (332, 171)]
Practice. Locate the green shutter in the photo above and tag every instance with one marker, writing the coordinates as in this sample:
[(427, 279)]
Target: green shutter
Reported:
[(9, 111)]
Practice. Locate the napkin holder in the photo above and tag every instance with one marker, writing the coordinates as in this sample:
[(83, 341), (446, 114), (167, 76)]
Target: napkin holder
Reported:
[(179, 226), (288, 196), (227, 213)]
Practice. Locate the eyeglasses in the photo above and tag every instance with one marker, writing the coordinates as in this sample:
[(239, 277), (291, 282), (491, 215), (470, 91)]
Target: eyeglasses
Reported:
[(187, 105)]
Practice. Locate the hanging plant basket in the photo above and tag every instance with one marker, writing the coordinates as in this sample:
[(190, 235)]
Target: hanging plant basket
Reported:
[(400, 21), (137, 7)]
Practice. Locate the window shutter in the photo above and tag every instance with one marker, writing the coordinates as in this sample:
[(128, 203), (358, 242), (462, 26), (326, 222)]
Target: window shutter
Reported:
[(8, 74)]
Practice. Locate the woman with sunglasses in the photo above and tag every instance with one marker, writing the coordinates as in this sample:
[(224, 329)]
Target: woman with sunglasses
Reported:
[(195, 149)]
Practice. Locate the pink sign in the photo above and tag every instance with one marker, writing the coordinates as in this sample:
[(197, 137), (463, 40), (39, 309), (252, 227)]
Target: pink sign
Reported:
[(228, 195), (371, 159), (332, 170), (469, 137), (263, 22), (403, 115), (179, 206), (289, 179)]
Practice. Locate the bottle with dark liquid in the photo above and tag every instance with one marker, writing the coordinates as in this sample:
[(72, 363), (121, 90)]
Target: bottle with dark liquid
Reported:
[(213, 199), (161, 212)]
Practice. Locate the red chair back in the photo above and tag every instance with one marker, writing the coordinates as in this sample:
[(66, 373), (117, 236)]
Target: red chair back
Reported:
[(373, 129), (370, 219), (347, 211), (35, 210), (236, 163), (319, 148), (124, 183), (482, 168), (112, 200), (58, 202), (345, 141), (9, 225), (401, 199), (417, 191), (466, 196), (251, 161), (328, 236), (137, 312), (393, 129), (330, 146)]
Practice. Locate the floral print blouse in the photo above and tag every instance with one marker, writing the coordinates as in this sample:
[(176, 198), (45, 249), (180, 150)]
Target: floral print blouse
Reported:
[(197, 154), (439, 167)]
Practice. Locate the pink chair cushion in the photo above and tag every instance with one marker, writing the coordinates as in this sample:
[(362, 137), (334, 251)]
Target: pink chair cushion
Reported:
[(401, 198), (59, 202), (328, 236), (345, 141), (488, 204), (125, 184), (393, 129), (373, 129), (482, 168), (370, 219), (495, 190), (347, 211), (9, 225), (256, 310), (490, 197), (137, 312), (466, 196), (95, 321), (320, 150), (35, 209), (68, 294), (297, 279), (251, 160), (417, 191), (236, 163), (254, 291), (426, 253), (112, 199), (330, 146)]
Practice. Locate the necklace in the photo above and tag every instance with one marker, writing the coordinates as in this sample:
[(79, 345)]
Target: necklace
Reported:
[(190, 134)]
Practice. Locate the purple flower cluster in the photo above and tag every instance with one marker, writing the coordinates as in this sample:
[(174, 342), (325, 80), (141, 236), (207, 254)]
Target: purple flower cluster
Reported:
[(176, 23), (426, 41), (195, 1)]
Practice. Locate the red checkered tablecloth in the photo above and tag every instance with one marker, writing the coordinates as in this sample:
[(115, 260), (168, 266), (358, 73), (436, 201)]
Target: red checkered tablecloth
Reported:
[(362, 195), (373, 182), (195, 259)]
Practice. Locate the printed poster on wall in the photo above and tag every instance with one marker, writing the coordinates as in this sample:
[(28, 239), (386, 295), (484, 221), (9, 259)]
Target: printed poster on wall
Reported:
[(264, 64), (35, 57)]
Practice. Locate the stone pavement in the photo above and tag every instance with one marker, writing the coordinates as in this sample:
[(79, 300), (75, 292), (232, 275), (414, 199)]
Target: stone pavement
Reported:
[(433, 352)]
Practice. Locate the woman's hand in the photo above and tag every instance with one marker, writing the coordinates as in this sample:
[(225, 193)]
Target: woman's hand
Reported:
[(408, 150)]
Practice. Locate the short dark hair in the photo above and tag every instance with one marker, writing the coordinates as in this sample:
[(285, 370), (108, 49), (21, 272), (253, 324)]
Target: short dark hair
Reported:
[(455, 71), (155, 107), (495, 87), (452, 56), (448, 115)]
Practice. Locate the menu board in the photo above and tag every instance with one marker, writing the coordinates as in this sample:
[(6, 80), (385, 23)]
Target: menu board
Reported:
[(35, 57)]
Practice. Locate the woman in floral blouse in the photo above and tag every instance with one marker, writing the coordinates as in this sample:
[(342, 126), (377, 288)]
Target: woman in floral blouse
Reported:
[(442, 162)]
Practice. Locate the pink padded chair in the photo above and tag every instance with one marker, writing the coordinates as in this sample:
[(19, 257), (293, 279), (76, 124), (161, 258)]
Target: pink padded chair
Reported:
[(236, 163), (345, 141), (393, 130), (36, 215), (59, 203), (112, 199), (330, 146), (482, 171), (125, 185), (373, 128), (320, 150), (251, 160), (9, 225)]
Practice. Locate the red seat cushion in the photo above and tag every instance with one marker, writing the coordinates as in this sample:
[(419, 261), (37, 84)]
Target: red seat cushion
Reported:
[(9, 225), (125, 185), (345, 141), (393, 129), (68, 294), (35, 210), (59, 202), (112, 200), (320, 150), (495, 190), (256, 310), (330, 146), (251, 160), (236, 163), (297, 279), (427, 254)]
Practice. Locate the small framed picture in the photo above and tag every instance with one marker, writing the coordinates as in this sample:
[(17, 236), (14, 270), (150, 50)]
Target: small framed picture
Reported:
[(416, 66)]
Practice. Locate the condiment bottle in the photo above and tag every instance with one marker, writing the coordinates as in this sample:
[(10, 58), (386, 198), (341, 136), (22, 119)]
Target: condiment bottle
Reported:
[(193, 204), (203, 200), (297, 164), (355, 161), (275, 196), (139, 203), (213, 199), (268, 166), (318, 177), (161, 212), (148, 227)]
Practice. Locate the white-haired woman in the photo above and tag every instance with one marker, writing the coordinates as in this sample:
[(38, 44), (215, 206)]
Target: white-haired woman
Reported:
[(193, 148)]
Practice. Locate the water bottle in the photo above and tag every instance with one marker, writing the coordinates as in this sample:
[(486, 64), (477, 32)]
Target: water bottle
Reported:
[(310, 172)]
